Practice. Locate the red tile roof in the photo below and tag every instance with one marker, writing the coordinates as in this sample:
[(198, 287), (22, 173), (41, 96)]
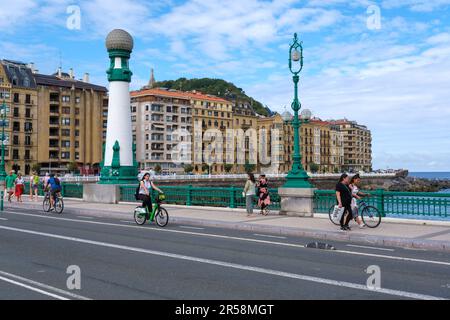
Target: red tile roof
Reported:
[(178, 94)]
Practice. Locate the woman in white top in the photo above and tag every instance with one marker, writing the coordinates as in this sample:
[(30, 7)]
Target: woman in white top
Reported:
[(249, 193), (19, 187), (145, 190), (356, 194)]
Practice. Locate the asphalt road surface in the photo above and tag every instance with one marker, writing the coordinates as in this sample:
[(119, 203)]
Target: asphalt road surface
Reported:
[(117, 259)]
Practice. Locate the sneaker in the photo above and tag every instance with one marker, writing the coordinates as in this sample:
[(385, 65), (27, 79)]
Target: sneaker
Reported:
[(347, 228), (343, 229), (362, 226)]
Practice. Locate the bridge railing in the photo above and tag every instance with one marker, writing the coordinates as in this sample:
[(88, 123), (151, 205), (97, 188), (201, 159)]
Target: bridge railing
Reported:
[(391, 203), (230, 197)]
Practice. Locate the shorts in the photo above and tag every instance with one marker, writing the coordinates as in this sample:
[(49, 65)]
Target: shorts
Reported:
[(34, 186)]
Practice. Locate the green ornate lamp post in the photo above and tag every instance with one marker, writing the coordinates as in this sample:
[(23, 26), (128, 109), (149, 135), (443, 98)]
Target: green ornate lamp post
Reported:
[(3, 122), (297, 177)]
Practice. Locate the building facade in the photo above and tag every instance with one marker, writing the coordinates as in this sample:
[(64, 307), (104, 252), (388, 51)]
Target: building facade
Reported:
[(156, 114), (70, 122), (18, 90), (357, 143)]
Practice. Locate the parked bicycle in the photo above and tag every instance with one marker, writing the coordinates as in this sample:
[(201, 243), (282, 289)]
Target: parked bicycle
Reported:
[(369, 214), (158, 214), (59, 203)]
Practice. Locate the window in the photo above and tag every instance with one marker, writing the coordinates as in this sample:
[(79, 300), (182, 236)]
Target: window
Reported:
[(65, 155), (66, 110), (4, 94), (77, 110), (15, 140), (77, 133), (133, 118), (16, 97), (77, 100), (65, 144), (16, 126), (15, 154), (27, 155), (28, 113), (65, 121), (28, 126), (77, 122), (65, 98), (77, 144), (16, 112), (28, 140), (77, 155), (28, 99), (65, 132)]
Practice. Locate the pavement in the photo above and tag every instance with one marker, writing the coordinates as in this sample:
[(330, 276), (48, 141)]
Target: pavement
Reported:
[(430, 235), (116, 259)]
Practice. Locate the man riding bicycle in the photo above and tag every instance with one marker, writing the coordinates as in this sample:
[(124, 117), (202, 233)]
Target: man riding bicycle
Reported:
[(55, 189)]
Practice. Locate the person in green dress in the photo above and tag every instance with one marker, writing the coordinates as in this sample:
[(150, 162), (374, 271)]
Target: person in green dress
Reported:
[(10, 184)]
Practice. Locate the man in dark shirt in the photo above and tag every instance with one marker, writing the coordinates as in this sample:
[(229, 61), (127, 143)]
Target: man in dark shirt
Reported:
[(344, 200)]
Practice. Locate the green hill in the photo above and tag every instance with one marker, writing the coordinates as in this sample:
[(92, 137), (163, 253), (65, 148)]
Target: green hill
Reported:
[(217, 87)]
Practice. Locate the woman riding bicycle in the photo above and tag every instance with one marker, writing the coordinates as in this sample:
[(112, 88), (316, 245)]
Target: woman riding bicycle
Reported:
[(146, 186)]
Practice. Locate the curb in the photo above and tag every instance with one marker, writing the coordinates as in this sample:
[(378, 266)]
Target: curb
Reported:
[(435, 245)]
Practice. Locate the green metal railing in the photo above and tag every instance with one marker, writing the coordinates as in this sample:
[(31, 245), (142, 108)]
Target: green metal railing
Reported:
[(202, 196), (394, 203), (69, 190)]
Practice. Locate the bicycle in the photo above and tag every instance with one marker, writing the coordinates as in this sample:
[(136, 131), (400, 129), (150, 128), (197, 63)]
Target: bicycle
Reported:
[(370, 215), (158, 214), (58, 206)]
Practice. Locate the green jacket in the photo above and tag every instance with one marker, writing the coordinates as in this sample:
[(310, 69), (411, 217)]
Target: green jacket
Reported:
[(10, 180)]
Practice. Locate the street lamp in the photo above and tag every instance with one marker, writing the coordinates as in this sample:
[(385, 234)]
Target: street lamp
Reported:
[(3, 122), (297, 177)]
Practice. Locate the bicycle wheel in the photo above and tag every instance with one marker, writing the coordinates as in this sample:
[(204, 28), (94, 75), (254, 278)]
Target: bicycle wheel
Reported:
[(140, 216), (371, 217), (331, 216), (162, 217), (59, 205), (46, 204)]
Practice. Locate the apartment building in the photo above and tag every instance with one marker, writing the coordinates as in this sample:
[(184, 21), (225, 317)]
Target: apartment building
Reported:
[(210, 112), (156, 114), (18, 91), (71, 122), (357, 143)]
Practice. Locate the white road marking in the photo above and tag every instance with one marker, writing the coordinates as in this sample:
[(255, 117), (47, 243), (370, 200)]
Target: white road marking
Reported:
[(84, 217), (33, 289), (40, 285), (4, 219), (236, 238), (194, 228), (350, 285), (374, 248), (127, 221), (267, 236)]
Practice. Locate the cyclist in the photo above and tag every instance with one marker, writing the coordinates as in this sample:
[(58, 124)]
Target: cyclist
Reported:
[(356, 194), (145, 189), (55, 189)]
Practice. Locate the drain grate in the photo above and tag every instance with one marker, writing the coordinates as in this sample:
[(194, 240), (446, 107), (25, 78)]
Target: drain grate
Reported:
[(320, 245)]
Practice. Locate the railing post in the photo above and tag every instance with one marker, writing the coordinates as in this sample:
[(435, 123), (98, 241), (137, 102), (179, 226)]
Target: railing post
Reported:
[(63, 187), (189, 195), (232, 197), (2, 193), (380, 202)]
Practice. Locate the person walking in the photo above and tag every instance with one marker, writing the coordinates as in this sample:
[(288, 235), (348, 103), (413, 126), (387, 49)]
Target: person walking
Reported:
[(344, 200), (249, 193), (357, 195), (34, 186), (263, 193), (19, 187), (10, 184)]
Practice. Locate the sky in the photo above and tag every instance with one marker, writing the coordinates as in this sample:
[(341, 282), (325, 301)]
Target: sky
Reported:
[(384, 64)]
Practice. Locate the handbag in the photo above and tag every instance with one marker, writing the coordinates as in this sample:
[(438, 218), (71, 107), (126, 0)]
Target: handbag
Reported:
[(337, 213)]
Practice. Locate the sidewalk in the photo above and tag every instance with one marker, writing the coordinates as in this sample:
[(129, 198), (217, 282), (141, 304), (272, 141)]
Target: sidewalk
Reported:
[(392, 232)]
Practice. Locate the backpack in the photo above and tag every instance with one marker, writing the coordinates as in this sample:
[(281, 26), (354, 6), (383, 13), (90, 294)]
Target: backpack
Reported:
[(136, 194)]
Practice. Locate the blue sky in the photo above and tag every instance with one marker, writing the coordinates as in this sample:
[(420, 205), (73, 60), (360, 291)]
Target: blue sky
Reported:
[(395, 79)]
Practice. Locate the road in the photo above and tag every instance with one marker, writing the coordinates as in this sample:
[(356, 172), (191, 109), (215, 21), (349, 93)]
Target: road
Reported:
[(120, 260)]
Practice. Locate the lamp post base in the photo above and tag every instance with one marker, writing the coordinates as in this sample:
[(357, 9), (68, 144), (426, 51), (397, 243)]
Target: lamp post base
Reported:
[(297, 202)]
